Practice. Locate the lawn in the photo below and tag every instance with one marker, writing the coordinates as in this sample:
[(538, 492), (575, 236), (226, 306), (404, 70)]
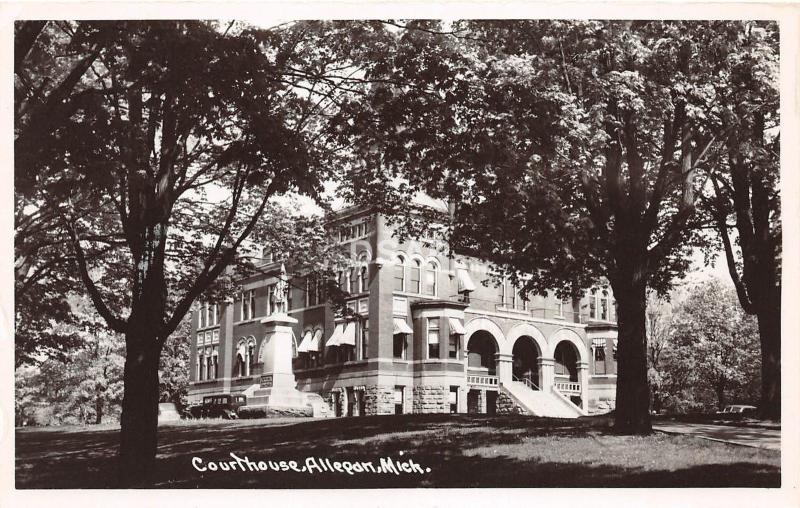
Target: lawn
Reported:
[(458, 450)]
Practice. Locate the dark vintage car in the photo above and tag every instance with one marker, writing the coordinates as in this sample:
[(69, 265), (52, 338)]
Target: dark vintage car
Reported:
[(219, 406)]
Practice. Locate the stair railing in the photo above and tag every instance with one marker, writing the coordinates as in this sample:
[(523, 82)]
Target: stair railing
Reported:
[(530, 384)]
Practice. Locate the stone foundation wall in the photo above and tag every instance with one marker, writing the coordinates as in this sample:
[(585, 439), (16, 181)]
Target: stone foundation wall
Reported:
[(430, 399), (601, 405), (379, 400), (507, 406)]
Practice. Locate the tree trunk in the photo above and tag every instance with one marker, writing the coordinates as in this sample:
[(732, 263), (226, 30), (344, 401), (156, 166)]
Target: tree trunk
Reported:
[(98, 408), (720, 391), (632, 413), (769, 330), (139, 407)]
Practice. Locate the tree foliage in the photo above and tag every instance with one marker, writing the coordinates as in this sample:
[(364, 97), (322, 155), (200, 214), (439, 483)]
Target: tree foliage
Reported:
[(157, 156), (571, 150), (711, 354)]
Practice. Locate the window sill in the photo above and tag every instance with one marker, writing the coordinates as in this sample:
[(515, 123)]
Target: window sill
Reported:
[(415, 295)]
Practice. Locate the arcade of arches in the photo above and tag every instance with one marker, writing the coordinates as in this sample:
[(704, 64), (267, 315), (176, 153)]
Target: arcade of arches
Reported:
[(566, 371)]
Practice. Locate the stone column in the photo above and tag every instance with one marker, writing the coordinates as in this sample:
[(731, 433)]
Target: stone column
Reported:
[(583, 379), (504, 372), (546, 373)]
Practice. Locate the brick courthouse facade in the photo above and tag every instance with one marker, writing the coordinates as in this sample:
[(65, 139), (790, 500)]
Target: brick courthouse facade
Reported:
[(427, 336)]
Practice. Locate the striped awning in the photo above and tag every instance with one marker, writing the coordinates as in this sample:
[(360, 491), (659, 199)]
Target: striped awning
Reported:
[(464, 280), (400, 326), (315, 341), (343, 335), (305, 342), (601, 342), (456, 327)]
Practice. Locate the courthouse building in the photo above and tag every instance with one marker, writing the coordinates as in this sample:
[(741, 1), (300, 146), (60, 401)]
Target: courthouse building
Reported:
[(426, 334)]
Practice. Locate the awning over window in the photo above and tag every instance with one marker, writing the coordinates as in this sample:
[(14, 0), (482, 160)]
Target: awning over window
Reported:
[(348, 334), (464, 280), (599, 342), (456, 328), (305, 342), (400, 326), (343, 335), (615, 345), (315, 341)]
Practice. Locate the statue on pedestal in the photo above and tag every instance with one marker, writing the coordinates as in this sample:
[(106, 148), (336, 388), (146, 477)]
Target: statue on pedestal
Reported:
[(280, 290)]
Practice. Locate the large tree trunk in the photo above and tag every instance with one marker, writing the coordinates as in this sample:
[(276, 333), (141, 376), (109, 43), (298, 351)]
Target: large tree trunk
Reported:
[(139, 407), (632, 413), (720, 391), (769, 330), (98, 408)]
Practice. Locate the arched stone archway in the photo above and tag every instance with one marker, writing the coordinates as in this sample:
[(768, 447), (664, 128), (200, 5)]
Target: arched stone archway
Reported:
[(533, 333), (565, 334), (565, 358), (525, 363), (571, 367), (482, 351)]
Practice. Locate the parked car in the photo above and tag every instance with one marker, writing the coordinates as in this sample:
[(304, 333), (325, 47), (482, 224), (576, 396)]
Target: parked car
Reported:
[(222, 406), (168, 412), (738, 410)]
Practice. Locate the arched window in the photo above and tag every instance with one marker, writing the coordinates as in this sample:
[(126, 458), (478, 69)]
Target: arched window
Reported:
[(200, 365), (241, 359), (209, 364), (399, 273), (414, 278), (215, 362), (363, 284), (429, 286), (354, 280), (251, 356)]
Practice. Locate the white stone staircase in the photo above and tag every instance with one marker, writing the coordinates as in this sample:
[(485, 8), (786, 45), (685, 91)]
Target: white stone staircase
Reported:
[(549, 403)]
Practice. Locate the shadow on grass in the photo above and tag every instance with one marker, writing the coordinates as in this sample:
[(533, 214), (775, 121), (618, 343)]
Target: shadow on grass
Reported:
[(460, 450)]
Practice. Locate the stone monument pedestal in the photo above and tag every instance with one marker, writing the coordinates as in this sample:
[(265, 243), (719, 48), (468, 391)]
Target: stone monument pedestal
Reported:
[(278, 387)]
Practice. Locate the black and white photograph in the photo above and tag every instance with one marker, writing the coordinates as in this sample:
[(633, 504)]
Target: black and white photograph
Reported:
[(371, 252)]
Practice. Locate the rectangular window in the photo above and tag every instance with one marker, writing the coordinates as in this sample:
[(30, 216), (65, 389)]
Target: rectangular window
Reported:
[(453, 399), (593, 304), (604, 306), (452, 350), (248, 305), (433, 337), (365, 339), (399, 306), (399, 346), (599, 360), (501, 293), (512, 297), (215, 337), (398, 400), (201, 317)]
